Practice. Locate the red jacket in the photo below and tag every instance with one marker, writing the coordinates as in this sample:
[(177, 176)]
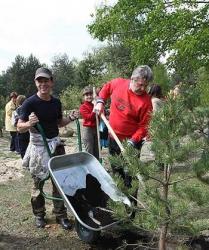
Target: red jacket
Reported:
[(129, 113), (86, 111)]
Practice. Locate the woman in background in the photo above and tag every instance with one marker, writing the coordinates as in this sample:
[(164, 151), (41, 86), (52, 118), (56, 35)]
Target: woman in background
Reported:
[(22, 138), (155, 92), (9, 109)]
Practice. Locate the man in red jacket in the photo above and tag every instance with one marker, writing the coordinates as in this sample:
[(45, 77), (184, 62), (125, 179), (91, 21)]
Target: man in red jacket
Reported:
[(130, 110)]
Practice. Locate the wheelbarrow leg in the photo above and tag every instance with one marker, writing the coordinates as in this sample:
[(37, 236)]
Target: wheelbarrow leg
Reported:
[(85, 234)]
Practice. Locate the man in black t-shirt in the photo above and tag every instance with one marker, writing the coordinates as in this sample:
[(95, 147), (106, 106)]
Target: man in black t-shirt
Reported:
[(46, 110)]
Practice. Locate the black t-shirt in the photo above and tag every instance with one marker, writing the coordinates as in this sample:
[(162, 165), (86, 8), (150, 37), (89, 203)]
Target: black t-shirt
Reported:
[(48, 112)]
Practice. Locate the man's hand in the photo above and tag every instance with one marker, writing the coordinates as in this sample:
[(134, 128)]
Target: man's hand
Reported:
[(32, 119), (134, 144), (73, 115), (99, 108)]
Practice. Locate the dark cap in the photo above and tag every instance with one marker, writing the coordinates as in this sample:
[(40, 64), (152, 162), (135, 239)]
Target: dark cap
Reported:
[(87, 89), (43, 72)]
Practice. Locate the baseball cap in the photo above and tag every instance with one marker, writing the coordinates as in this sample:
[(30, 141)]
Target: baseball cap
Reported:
[(43, 72)]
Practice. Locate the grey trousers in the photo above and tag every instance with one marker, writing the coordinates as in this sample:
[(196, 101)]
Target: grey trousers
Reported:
[(90, 141)]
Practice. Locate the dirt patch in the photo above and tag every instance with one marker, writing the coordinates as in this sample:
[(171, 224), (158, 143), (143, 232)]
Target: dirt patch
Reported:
[(11, 164)]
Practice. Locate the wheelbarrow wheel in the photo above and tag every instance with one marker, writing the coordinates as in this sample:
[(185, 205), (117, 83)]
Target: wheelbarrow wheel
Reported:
[(85, 234)]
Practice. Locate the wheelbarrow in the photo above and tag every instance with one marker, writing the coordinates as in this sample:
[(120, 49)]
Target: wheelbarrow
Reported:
[(86, 188)]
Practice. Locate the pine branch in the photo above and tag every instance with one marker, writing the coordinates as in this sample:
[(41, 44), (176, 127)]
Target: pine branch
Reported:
[(138, 201), (155, 179), (188, 178)]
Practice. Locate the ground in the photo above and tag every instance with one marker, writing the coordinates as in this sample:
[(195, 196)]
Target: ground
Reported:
[(17, 230)]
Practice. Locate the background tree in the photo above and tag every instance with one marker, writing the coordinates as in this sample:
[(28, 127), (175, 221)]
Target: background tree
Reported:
[(161, 77), (155, 29), (202, 85), (20, 76), (64, 72), (3, 84), (71, 98)]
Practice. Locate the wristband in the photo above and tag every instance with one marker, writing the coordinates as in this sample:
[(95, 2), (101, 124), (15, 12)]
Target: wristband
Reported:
[(100, 100)]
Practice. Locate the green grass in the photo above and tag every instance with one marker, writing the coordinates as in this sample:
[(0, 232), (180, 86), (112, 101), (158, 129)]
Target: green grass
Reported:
[(17, 221)]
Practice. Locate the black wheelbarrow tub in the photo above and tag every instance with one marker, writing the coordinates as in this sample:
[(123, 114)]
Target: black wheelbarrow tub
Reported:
[(71, 174)]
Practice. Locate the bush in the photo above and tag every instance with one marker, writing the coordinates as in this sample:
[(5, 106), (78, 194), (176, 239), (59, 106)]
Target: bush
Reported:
[(71, 98), (202, 86)]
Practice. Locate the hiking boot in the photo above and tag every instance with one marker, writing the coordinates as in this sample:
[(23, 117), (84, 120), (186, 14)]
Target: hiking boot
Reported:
[(40, 222), (64, 222)]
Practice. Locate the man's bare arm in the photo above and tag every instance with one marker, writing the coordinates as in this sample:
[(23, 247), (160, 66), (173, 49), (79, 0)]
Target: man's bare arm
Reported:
[(24, 126)]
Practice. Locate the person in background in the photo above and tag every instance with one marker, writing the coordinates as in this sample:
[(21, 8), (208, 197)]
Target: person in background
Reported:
[(176, 91), (90, 138), (130, 110), (46, 110), (155, 92), (22, 138), (103, 130), (9, 109)]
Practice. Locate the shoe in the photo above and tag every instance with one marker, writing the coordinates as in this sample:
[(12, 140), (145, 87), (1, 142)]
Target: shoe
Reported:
[(64, 222), (40, 222)]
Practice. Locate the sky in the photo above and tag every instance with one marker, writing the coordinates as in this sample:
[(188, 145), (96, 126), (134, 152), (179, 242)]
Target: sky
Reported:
[(45, 28)]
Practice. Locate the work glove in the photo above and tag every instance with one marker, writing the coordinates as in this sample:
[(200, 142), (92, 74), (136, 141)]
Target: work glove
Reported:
[(134, 144), (73, 115)]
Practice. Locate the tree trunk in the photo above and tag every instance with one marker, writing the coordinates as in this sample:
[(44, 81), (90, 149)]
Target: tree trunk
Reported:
[(162, 240), (164, 228)]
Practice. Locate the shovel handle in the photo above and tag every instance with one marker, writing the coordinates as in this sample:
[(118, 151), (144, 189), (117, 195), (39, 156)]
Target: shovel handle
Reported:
[(112, 132), (97, 126)]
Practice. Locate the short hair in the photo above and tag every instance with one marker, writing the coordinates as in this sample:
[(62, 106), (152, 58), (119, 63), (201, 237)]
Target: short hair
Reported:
[(144, 72), (20, 99), (13, 94), (155, 90)]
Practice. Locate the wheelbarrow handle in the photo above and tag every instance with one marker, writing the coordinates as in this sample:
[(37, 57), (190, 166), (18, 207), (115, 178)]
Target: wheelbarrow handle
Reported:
[(112, 132)]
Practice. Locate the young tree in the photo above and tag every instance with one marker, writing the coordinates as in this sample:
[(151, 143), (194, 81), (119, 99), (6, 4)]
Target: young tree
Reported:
[(172, 199)]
